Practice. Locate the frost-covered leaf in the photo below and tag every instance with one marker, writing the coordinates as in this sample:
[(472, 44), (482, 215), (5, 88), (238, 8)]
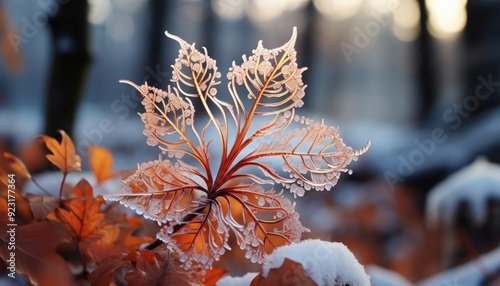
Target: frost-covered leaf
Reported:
[(63, 154), (202, 201)]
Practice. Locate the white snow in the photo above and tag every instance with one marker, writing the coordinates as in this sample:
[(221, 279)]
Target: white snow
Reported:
[(471, 273), (244, 280), (385, 277), (327, 263), (474, 184)]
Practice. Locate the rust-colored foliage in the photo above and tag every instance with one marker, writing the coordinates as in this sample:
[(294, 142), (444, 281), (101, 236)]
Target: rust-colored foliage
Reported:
[(53, 234), (63, 154), (17, 166), (101, 163), (216, 175), (35, 249), (289, 273), (151, 268)]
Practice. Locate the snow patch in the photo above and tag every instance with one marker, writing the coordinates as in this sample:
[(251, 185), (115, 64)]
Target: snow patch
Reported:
[(474, 184), (327, 263), (244, 280), (471, 273), (51, 182), (385, 277)]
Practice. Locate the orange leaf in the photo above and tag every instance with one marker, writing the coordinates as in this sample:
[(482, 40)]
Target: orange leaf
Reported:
[(103, 275), (153, 269), (17, 166), (101, 163), (290, 273), (212, 276), (80, 215), (63, 154), (35, 250)]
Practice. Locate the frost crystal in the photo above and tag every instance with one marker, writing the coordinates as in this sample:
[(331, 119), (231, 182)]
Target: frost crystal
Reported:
[(202, 203)]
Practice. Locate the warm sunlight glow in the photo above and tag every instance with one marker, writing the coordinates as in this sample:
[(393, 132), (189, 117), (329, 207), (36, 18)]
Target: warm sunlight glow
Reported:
[(232, 10), (265, 10), (406, 19), (447, 18), (380, 5), (296, 4), (338, 9)]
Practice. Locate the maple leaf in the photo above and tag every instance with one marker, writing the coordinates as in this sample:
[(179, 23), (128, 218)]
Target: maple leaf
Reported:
[(63, 154), (101, 163), (80, 215), (201, 201)]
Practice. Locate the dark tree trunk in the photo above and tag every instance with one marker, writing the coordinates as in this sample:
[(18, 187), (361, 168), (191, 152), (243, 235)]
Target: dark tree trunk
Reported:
[(426, 72), (70, 60)]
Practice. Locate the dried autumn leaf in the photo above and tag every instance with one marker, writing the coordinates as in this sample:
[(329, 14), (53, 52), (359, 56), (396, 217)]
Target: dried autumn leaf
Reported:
[(103, 275), (289, 274), (80, 215), (101, 163), (41, 206), (63, 154), (150, 268), (35, 254), (202, 201), (17, 166)]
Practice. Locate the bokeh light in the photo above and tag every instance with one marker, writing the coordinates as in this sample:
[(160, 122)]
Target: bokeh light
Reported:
[(120, 27), (338, 10), (265, 10), (447, 18), (406, 21), (232, 10), (99, 11)]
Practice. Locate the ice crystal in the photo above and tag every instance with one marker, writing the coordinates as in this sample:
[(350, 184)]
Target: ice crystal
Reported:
[(200, 205)]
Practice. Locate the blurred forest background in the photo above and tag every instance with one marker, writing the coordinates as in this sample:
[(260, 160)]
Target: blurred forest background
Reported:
[(420, 79)]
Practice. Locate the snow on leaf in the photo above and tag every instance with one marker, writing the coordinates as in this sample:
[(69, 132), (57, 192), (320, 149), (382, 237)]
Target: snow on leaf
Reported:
[(101, 163), (327, 263), (474, 184), (202, 202), (63, 154)]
